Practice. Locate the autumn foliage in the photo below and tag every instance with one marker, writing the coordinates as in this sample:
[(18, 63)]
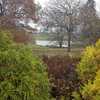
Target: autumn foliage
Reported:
[(89, 73), (62, 74)]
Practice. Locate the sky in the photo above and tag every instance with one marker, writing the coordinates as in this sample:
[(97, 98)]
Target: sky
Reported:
[(43, 3), (98, 4)]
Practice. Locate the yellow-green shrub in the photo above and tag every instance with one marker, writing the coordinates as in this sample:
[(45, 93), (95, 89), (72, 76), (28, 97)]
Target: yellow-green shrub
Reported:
[(89, 63), (91, 90), (22, 76), (89, 73), (5, 40)]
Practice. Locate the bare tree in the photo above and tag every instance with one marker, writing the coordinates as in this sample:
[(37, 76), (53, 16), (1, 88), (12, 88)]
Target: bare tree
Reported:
[(11, 11), (58, 36), (90, 22), (63, 14)]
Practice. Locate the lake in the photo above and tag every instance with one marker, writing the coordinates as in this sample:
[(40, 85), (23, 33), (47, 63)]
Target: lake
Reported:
[(50, 43)]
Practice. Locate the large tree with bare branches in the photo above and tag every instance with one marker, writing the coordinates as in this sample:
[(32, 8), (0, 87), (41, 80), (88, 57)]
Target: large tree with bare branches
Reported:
[(90, 22), (62, 14), (11, 11)]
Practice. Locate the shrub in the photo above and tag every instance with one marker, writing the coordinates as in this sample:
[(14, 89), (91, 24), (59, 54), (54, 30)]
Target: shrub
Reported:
[(19, 35), (22, 76), (89, 72), (90, 62), (91, 91), (62, 75), (5, 40)]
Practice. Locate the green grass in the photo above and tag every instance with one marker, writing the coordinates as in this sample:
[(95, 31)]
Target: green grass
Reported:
[(39, 50), (41, 36)]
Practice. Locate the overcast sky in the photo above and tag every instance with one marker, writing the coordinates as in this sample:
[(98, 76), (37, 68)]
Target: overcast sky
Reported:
[(43, 3), (98, 4)]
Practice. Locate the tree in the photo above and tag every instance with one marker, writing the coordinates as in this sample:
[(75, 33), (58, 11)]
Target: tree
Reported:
[(12, 11), (61, 14), (15, 16), (90, 22), (58, 36)]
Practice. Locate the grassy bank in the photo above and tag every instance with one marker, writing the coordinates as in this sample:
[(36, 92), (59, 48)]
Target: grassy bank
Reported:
[(39, 50), (42, 36), (49, 51)]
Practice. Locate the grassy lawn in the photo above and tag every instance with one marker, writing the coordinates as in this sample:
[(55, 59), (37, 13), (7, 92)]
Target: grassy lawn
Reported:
[(39, 50), (41, 36)]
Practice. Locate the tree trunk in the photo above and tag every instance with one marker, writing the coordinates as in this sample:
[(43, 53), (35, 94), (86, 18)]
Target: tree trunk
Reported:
[(58, 97), (60, 44), (69, 42)]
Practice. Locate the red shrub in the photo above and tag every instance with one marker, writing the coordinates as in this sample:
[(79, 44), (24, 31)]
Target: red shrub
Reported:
[(62, 74)]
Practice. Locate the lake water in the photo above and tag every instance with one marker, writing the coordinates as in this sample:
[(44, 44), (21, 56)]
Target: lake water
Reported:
[(49, 43)]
